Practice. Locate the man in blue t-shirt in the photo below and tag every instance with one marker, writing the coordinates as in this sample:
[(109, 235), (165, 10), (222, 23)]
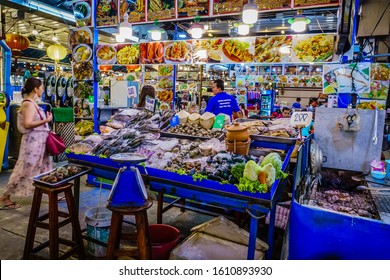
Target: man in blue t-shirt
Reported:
[(223, 102), (297, 104)]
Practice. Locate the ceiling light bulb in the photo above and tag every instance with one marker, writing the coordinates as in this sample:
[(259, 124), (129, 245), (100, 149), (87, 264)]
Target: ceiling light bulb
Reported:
[(182, 35), (243, 29), (250, 13), (156, 33), (41, 45), (54, 38), (119, 38), (125, 28), (34, 31), (282, 32), (196, 31), (298, 24)]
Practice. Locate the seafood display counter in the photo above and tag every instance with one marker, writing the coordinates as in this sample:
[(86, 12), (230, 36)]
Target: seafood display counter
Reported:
[(205, 192)]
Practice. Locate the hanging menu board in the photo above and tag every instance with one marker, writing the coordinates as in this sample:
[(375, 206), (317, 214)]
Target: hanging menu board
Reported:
[(83, 13), (380, 76), (304, 3), (264, 49), (107, 13), (134, 9), (161, 9), (192, 8), (80, 41), (227, 6), (273, 4)]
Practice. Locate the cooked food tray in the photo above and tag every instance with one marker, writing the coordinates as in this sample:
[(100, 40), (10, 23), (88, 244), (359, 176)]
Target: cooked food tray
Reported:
[(81, 171)]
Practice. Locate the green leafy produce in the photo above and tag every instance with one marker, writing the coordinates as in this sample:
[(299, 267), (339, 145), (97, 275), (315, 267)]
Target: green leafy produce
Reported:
[(238, 170), (180, 171), (251, 186), (270, 174), (276, 161), (251, 170), (199, 176)]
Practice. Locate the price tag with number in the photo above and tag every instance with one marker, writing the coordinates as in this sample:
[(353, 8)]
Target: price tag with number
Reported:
[(301, 119), (150, 104)]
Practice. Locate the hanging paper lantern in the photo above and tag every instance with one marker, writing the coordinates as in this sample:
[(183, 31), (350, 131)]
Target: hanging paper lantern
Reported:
[(56, 52), (17, 43)]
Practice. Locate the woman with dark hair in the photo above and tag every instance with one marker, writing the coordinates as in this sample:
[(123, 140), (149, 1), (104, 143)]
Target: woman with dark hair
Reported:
[(146, 91), (33, 158)]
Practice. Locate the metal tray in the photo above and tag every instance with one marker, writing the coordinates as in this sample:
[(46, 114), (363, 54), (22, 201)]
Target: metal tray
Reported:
[(165, 133), (84, 170), (266, 138), (273, 139)]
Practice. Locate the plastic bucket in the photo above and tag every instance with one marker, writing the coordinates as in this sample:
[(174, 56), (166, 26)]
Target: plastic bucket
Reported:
[(98, 221), (163, 239)]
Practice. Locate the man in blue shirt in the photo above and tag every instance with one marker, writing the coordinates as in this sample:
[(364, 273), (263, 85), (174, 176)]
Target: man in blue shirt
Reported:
[(297, 104), (223, 102)]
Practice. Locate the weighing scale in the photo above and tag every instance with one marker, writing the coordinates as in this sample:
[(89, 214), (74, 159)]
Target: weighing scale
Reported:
[(128, 189)]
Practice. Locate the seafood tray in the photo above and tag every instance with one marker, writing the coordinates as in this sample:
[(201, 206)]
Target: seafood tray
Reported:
[(267, 138), (165, 133), (81, 171)]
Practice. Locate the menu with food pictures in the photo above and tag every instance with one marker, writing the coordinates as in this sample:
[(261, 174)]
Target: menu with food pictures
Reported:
[(127, 53), (207, 50), (82, 53), (301, 3), (135, 9), (82, 70), (161, 9), (312, 48), (273, 49), (151, 53), (83, 13), (106, 54), (178, 52), (238, 50), (107, 13), (165, 83), (192, 8), (271, 5), (338, 78), (379, 86), (81, 35), (227, 6), (82, 62)]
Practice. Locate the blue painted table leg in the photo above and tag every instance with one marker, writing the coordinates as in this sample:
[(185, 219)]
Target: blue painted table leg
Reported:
[(271, 233), (252, 238)]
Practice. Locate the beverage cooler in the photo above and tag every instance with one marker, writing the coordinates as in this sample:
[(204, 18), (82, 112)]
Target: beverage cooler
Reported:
[(267, 98)]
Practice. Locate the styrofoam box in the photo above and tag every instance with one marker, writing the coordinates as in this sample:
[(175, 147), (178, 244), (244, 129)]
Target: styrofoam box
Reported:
[(201, 246), (222, 227)]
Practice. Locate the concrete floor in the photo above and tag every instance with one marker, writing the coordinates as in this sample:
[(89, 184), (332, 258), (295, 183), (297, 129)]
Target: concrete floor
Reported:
[(13, 223)]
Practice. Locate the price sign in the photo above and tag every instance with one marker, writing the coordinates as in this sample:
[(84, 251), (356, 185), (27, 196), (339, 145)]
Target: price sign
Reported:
[(150, 104), (301, 119)]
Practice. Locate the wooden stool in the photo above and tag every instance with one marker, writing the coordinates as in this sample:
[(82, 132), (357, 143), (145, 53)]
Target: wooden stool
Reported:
[(143, 250), (53, 225)]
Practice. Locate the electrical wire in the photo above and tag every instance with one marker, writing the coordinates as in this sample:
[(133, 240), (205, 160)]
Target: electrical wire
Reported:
[(376, 25)]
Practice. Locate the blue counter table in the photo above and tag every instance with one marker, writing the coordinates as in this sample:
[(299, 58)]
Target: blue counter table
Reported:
[(206, 192)]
